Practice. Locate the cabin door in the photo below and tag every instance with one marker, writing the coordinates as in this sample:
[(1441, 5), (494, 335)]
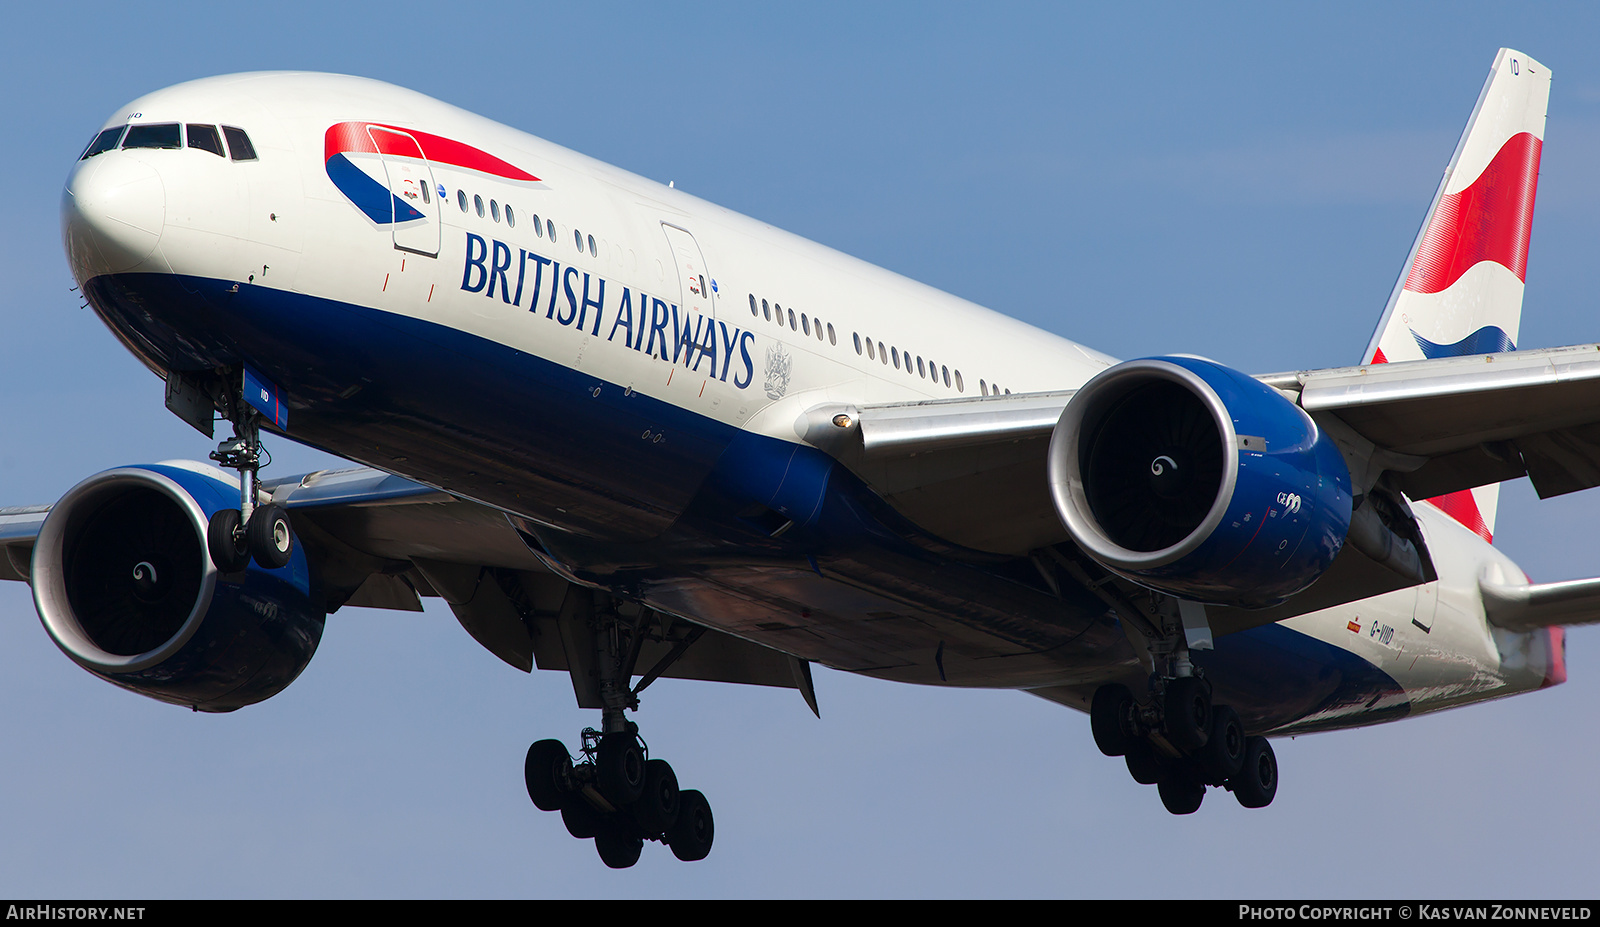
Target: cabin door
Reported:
[(415, 201)]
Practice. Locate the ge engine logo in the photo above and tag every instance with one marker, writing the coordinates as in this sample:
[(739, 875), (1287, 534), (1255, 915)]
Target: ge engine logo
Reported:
[(1290, 501)]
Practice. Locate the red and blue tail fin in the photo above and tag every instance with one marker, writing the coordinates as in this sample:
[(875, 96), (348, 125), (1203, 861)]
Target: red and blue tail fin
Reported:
[(1461, 289)]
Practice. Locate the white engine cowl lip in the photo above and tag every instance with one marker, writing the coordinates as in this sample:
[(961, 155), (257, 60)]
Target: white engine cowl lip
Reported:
[(50, 596), (1066, 480)]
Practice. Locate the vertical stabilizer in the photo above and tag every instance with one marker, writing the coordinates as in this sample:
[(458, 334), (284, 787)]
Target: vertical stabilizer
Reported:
[(1460, 291)]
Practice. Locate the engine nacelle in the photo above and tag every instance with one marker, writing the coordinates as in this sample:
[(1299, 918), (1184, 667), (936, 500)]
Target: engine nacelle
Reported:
[(1196, 480), (124, 585)]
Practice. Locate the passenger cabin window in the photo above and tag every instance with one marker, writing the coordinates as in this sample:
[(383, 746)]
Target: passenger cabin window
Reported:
[(753, 310), (592, 251), (105, 141), (511, 217), (856, 336), (239, 146), (550, 225), (461, 199), (538, 225), (159, 135), (206, 138)]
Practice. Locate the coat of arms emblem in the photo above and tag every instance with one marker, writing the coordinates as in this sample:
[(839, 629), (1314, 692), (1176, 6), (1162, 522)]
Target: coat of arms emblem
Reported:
[(778, 364)]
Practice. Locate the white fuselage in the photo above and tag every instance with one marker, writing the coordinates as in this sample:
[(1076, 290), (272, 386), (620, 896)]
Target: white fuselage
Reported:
[(786, 324)]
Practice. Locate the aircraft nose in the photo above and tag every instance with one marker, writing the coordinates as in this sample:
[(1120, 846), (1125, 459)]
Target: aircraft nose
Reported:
[(112, 214)]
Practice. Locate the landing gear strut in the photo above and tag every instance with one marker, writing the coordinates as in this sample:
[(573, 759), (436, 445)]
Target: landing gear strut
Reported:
[(613, 792), (261, 532)]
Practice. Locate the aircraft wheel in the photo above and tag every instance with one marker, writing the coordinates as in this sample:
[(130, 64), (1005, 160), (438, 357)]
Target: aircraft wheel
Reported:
[(1257, 782), (620, 763), (1144, 765), (657, 807), (691, 835), (1111, 704), (268, 537), (581, 818), (545, 772), (1181, 793), (1187, 713), (224, 542), (1223, 755), (619, 847)]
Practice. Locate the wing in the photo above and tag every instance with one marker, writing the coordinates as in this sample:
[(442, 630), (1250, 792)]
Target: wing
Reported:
[(975, 471), (380, 541)]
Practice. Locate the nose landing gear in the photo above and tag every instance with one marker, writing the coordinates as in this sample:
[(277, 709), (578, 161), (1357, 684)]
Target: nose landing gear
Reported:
[(262, 533)]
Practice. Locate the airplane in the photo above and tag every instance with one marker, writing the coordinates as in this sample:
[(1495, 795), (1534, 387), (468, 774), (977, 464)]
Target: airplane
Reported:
[(628, 434)]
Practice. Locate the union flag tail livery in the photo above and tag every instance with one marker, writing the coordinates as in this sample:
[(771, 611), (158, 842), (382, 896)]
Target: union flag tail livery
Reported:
[(1461, 289)]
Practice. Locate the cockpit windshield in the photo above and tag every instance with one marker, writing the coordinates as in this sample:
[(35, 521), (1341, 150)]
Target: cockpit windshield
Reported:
[(105, 141), (206, 139), (172, 135), (239, 144), (153, 135)]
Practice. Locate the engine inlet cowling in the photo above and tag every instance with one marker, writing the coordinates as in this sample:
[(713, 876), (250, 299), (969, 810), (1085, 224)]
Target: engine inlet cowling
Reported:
[(1196, 480), (124, 585)]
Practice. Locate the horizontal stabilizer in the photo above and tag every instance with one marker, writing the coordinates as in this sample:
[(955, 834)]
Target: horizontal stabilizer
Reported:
[(1542, 605)]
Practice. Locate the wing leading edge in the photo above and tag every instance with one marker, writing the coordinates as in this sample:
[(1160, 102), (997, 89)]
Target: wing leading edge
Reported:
[(382, 541)]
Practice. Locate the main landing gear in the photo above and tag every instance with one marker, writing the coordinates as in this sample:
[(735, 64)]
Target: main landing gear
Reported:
[(618, 797), (259, 532), (1180, 743), (614, 792)]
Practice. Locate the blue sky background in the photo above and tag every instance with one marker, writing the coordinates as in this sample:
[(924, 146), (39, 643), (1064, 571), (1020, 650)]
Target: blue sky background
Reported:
[(1241, 182)]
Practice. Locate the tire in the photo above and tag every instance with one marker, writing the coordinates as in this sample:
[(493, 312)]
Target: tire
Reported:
[(1182, 794), (1257, 782), (1144, 765), (657, 807), (1186, 719), (545, 772), (268, 536), (691, 836), (619, 847), (581, 818), (1223, 755), (620, 763), (224, 542), (1106, 713)]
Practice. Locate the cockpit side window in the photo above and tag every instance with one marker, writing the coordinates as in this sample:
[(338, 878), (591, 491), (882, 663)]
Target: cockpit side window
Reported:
[(206, 139), (239, 144), (105, 141), (154, 135)]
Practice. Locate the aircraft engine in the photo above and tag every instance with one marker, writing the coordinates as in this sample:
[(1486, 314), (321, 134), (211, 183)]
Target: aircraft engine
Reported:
[(1196, 480), (124, 585)]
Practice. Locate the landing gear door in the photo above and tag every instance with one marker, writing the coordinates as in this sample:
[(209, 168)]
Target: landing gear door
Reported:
[(415, 203), (693, 276)]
